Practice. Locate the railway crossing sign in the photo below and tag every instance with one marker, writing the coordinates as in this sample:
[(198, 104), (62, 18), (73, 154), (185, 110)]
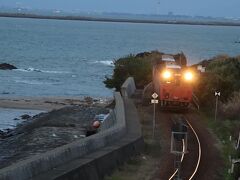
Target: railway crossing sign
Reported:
[(154, 95)]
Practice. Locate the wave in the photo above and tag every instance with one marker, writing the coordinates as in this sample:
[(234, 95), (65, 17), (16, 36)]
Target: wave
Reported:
[(32, 82), (56, 72), (108, 63), (30, 69)]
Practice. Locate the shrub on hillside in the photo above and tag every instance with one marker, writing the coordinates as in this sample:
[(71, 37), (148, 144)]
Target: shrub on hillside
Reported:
[(139, 67), (222, 74), (231, 109)]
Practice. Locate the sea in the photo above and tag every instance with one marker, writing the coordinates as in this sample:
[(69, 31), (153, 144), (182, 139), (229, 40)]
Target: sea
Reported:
[(10, 118), (67, 58), (72, 58)]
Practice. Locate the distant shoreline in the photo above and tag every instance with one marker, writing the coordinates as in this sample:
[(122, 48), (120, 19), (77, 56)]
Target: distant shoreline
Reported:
[(120, 20)]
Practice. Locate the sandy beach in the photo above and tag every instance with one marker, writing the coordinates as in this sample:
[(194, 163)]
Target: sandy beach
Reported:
[(48, 103)]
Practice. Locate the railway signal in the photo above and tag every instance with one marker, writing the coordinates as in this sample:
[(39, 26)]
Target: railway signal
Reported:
[(217, 94), (154, 101)]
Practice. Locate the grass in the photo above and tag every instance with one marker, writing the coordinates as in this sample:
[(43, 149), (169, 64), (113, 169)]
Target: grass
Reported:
[(144, 166), (141, 167), (223, 130)]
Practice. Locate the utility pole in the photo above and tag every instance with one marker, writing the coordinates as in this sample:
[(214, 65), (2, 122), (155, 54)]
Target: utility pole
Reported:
[(217, 94)]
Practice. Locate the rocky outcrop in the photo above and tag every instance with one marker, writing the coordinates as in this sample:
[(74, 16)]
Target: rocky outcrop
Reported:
[(6, 66), (25, 116)]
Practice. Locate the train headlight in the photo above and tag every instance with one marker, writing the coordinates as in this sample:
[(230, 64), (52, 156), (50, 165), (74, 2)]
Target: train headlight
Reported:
[(166, 74), (188, 76)]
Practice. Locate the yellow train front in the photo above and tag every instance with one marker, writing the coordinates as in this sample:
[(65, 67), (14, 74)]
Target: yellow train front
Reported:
[(173, 83)]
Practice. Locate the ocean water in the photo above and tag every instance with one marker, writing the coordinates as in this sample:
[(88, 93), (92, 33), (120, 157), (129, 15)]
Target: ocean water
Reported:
[(9, 118), (71, 58)]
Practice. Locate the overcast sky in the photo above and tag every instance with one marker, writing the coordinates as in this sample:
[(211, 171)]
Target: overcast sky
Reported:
[(216, 8)]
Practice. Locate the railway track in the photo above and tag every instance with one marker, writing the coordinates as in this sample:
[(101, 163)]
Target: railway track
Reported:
[(200, 162), (197, 159), (182, 157), (199, 150)]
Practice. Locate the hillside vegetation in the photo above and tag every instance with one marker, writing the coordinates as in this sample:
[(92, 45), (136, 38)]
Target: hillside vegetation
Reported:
[(222, 75), (138, 66)]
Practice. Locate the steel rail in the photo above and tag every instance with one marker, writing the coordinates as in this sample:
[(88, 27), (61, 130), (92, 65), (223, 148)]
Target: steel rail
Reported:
[(183, 153), (199, 150)]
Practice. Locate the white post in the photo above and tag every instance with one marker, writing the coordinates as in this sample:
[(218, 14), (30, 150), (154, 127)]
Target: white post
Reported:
[(154, 119), (238, 141), (217, 94), (216, 108), (154, 101)]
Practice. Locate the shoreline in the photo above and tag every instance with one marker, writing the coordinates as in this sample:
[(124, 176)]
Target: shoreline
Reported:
[(120, 20), (20, 106), (35, 134), (49, 103)]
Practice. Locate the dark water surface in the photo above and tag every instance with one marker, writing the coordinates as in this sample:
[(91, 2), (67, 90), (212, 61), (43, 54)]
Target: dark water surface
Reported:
[(71, 58)]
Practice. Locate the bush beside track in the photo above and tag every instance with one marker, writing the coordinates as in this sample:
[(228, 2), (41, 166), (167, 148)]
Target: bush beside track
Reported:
[(222, 74)]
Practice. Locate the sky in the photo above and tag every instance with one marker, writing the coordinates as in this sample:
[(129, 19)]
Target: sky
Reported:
[(215, 8)]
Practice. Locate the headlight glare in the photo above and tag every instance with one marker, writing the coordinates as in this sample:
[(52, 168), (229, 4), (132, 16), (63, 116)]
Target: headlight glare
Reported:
[(188, 76), (166, 74)]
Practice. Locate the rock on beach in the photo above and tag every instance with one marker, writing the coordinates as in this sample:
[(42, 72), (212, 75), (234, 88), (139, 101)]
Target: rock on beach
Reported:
[(6, 66)]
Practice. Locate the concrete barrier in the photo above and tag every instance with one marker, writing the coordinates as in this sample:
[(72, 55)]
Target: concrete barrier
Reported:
[(90, 158), (109, 121), (128, 88), (38, 164), (97, 165)]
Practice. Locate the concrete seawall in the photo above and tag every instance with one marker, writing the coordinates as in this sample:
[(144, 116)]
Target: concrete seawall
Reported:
[(97, 165), (92, 157), (128, 87)]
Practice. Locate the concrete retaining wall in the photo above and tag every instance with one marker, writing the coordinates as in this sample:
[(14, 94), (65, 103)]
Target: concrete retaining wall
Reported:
[(109, 121), (36, 165), (90, 158), (97, 165), (128, 87)]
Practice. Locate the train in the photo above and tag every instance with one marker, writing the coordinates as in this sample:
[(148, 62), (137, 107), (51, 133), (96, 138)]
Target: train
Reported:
[(173, 81)]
